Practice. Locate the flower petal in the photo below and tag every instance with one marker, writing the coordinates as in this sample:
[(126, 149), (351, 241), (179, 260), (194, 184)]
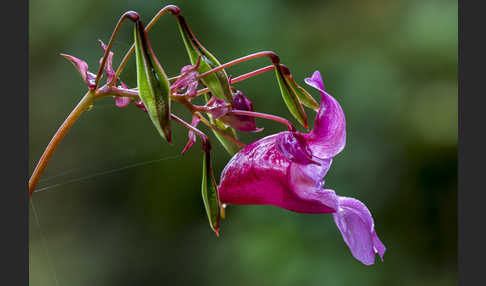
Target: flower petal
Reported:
[(328, 137), (192, 137), (82, 67), (354, 221), (261, 174), (110, 72), (122, 101), (187, 80)]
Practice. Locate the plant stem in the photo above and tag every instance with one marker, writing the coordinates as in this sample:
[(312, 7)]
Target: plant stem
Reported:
[(271, 55), (132, 16), (282, 120), (221, 132), (169, 8), (252, 74), (83, 105), (239, 78)]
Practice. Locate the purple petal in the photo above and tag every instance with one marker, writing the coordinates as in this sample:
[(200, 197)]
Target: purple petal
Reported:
[(328, 137), (110, 72), (259, 174), (140, 105), (294, 147), (122, 101), (354, 221), (187, 80), (82, 68), (218, 107), (192, 136)]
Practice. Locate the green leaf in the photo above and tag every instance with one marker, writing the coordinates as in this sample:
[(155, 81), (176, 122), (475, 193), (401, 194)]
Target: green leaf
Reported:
[(153, 84), (210, 193), (291, 99), (217, 82), (301, 93)]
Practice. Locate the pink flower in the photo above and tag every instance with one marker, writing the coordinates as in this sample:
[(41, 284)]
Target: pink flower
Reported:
[(288, 169)]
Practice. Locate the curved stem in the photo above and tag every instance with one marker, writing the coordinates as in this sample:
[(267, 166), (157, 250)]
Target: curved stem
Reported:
[(239, 78), (83, 105), (273, 56), (282, 120), (132, 16), (169, 8), (252, 74), (221, 132), (115, 91)]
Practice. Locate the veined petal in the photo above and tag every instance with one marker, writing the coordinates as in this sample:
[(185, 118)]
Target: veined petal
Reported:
[(355, 222), (262, 174), (328, 137), (82, 67), (110, 72), (122, 101)]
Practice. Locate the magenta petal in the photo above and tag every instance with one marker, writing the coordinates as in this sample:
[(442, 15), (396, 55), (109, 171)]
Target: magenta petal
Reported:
[(261, 174), (294, 147), (354, 221), (110, 72), (82, 68), (122, 101), (328, 137), (192, 137), (218, 107), (187, 80)]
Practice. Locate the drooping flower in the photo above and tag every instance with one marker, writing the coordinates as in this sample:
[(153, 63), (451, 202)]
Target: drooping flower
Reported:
[(287, 170)]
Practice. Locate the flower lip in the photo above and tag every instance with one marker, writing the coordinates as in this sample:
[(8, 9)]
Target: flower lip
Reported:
[(356, 225)]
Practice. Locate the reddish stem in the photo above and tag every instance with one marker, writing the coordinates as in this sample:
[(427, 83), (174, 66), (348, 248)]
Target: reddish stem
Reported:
[(251, 74), (84, 104), (169, 8), (282, 120), (132, 15), (239, 78), (206, 144), (273, 56)]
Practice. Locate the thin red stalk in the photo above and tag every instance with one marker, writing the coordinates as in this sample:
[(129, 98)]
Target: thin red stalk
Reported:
[(252, 74), (239, 78), (284, 121), (271, 55), (169, 8), (132, 15)]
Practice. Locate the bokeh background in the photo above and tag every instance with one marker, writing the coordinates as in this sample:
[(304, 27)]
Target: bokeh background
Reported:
[(107, 216)]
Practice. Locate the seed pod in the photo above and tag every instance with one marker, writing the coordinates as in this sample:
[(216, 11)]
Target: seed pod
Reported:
[(153, 84)]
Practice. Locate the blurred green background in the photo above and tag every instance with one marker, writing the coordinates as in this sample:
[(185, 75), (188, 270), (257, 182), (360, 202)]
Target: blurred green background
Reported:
[(391, 64)]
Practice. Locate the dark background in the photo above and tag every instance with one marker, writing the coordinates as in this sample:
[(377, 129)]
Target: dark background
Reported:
[(391, 64)]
